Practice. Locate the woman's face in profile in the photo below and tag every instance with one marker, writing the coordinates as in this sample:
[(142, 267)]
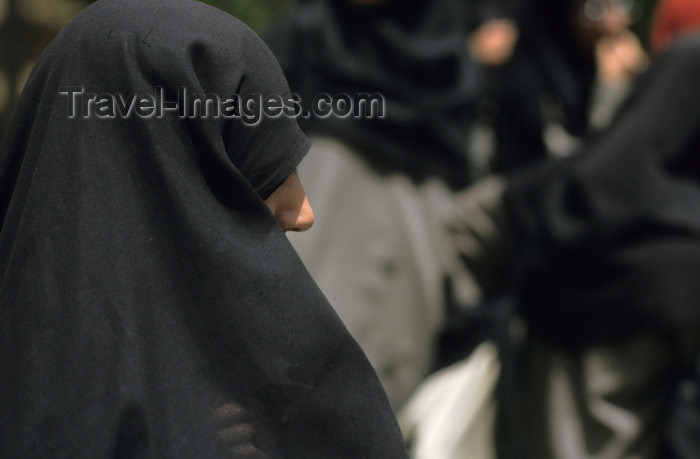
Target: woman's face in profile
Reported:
[(289, 205)]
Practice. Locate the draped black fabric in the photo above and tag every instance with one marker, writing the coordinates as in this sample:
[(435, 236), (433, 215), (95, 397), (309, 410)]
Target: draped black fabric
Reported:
[(612, 237), (150, 304), (480, 11), (549, 66), (566, 68), (412, 53)]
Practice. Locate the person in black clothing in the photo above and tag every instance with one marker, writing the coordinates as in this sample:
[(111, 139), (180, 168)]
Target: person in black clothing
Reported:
[(571, 69), (150, 303), (601, 253)]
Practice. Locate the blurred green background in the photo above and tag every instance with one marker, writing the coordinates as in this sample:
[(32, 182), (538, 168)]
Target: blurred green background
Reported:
[(27, 26)]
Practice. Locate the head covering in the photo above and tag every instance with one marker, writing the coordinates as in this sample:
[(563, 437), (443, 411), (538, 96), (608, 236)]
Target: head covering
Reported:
[(480, 11), (412, 52), (150, 304), (612, 236)]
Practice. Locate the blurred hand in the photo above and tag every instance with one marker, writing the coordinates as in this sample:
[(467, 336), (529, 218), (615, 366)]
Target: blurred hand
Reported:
[(493, 42), (479, 232), (620, 58), (236, 430)]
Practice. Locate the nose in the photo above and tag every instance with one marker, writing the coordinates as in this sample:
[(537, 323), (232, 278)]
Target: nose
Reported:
[(290, 206), (297, 217)]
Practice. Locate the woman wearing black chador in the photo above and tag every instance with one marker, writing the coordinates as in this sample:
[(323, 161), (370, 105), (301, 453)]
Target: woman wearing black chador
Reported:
[(150, 304)]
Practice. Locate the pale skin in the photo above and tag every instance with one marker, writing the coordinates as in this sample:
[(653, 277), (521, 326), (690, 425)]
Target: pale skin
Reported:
[(290, 206), (619, 54), (492, 42)]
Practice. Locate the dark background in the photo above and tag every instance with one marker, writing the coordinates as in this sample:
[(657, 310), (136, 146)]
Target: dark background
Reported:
[(27, 26)]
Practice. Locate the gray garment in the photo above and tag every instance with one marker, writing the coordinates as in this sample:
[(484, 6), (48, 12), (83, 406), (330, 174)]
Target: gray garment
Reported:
[(376, 251), (599, 402), (603, 402)]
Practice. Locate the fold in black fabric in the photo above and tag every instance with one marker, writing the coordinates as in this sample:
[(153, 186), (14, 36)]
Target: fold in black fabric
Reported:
[(413, 53), (564, 64), (612, 237), (150, 305)]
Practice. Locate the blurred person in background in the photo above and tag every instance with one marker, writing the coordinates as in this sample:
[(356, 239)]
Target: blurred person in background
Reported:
[(493, 30), (540, 91), (571, 68), (378, 183), (601, 253)]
